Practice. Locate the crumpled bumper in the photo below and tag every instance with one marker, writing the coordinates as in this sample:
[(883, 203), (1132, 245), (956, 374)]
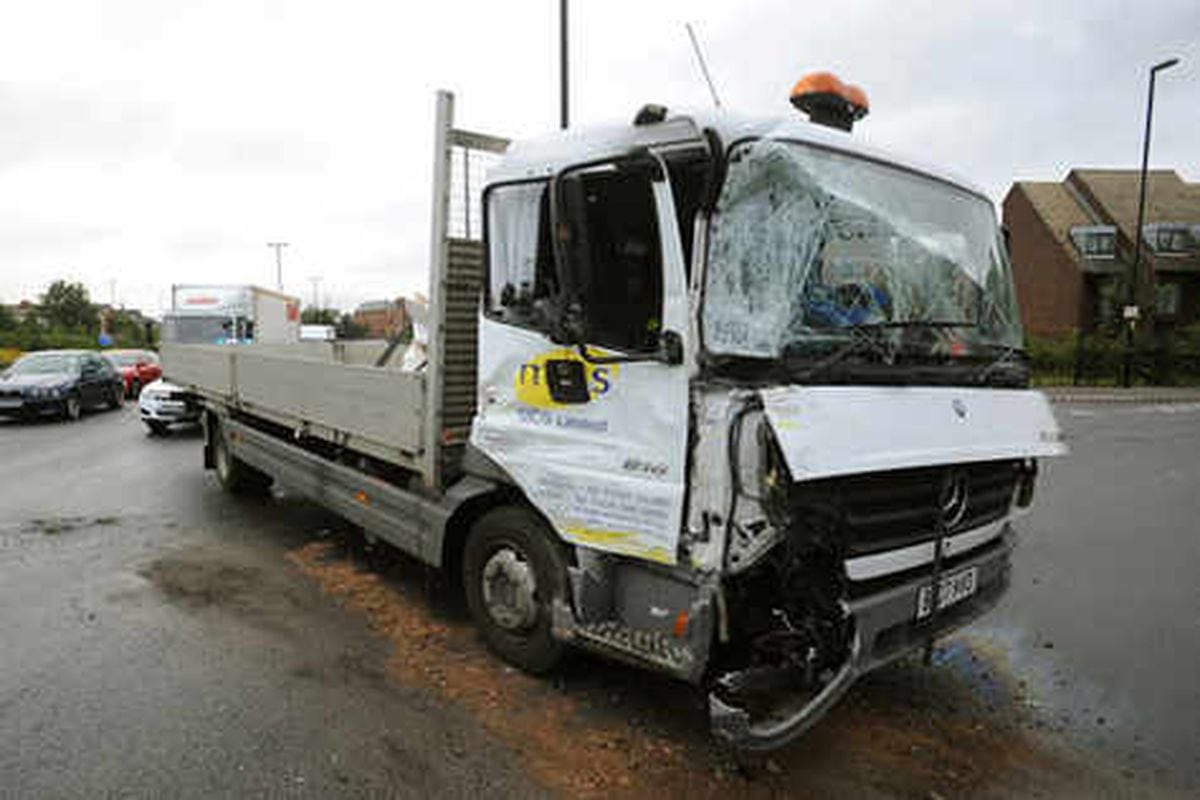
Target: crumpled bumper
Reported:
[(885, 628)]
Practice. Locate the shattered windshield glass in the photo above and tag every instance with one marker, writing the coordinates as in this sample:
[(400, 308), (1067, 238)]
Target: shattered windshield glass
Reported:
[(810, 246)]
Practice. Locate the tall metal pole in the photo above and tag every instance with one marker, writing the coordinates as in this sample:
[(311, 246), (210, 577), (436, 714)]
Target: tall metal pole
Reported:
[(1135, 276), (278, 246), (564, 82)]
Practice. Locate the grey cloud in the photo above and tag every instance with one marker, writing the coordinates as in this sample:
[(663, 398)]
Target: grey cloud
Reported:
[(249, 152), (42, 124), (20, 238)]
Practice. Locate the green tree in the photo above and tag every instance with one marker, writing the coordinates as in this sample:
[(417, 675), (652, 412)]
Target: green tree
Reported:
[(347, 328), (127, 330), (8, 320), (319, 316), (67, 305)]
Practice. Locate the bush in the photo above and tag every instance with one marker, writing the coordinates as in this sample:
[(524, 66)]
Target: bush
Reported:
[(30, 335), (1171, 358)]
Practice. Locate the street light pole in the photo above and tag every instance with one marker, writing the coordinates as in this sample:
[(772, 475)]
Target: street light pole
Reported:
[(316, 284), (564, 83), (1135, 276), (278, 246)]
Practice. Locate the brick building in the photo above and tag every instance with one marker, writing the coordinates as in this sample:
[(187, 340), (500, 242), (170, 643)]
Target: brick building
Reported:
[(383, 319), (1072, 244)]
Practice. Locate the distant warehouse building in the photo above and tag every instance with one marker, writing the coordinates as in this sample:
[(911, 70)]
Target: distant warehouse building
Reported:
[(382, 319), (1072, 246)]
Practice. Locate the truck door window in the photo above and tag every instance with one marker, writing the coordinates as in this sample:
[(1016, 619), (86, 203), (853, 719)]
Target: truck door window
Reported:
[(521, 278), (617, 260)]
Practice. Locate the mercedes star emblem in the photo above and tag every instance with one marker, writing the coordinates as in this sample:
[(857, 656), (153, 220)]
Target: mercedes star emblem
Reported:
[(953, 500)]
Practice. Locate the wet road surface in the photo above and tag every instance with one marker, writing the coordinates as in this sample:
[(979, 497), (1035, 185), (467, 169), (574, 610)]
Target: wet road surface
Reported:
[(1103, 621), (156, 644), (162, 638)]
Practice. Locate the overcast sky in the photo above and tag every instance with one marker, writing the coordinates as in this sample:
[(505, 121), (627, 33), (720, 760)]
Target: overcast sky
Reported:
[(151, 142)]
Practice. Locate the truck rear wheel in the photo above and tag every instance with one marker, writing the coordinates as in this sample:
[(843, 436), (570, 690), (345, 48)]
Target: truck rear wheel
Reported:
[(235, 475), (513, 571)]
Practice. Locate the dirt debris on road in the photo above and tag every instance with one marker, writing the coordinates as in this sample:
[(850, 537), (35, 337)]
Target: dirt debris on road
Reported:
[(600, 729)]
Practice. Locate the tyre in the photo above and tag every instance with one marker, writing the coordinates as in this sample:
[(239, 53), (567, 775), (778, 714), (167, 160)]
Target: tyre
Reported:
[(513, 571), (72, 408), (157, 428), (235, 475), (135, 388), (116, 397)]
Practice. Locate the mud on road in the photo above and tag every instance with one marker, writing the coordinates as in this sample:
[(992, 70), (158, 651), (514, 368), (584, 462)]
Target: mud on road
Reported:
[(956, 729)]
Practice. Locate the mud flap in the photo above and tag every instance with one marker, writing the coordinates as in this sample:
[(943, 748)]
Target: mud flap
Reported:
[(207, 423)]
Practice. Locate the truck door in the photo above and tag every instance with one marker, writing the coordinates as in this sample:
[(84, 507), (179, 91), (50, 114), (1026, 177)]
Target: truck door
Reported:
[(598, 443)]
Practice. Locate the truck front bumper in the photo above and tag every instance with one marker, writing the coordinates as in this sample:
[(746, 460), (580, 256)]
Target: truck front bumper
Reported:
[(885, 628)]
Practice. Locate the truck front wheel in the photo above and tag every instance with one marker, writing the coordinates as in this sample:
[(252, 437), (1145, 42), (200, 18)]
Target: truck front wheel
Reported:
[(513, 571)]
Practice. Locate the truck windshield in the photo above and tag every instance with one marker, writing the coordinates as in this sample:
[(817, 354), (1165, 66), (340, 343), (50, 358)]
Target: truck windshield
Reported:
[(809, 248), (204, 329)]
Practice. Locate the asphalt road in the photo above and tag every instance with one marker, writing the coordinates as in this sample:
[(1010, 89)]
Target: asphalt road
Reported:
[(158, 639), (155, 645), (1103, 621)]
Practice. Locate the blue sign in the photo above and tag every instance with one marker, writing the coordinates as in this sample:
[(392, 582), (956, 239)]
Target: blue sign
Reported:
[(105, 340)]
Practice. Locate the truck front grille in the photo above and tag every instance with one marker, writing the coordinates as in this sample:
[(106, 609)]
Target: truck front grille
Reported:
[(885, 510)]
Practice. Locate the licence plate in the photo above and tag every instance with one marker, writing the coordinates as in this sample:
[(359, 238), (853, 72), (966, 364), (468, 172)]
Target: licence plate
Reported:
[(954, 588), (10, 402)]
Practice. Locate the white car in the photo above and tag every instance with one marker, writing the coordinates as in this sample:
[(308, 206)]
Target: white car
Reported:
[(163, 404)]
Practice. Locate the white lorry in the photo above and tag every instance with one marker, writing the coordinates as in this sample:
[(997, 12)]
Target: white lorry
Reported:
[(237, 314), (738, 400)]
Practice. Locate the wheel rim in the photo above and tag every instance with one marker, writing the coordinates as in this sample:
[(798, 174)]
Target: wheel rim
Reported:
[(510, 589), (73, 407)]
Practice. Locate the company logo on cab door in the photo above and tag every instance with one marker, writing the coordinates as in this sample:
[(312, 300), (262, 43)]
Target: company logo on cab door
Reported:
[(533, 388)]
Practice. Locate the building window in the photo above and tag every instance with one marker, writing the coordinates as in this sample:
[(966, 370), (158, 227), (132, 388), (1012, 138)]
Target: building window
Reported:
[(1166, 299), (1169, 238), (1095, 241)]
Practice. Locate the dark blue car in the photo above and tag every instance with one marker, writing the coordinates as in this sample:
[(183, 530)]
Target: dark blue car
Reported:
[(59, 383)]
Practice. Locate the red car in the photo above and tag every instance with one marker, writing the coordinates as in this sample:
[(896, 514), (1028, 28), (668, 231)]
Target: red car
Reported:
[(137, 368)]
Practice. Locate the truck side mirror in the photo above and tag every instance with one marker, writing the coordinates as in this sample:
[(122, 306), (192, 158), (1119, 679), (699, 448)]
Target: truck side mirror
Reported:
[(572, 256)]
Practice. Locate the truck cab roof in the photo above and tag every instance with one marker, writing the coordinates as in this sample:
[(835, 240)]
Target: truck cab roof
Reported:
[(546, 155)]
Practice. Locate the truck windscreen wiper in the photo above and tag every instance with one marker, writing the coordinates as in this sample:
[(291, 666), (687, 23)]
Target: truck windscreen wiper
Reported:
[(1008, 358), (864, 339)]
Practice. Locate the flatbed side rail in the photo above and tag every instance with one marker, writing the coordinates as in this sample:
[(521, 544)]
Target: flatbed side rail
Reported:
[(413, 523), (374, 411)]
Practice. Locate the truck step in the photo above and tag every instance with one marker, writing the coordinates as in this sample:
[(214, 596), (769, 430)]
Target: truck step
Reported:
[(617, 638)]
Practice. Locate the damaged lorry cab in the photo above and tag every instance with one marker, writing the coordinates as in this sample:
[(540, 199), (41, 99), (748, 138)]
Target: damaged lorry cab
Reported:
[(746, 401)]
